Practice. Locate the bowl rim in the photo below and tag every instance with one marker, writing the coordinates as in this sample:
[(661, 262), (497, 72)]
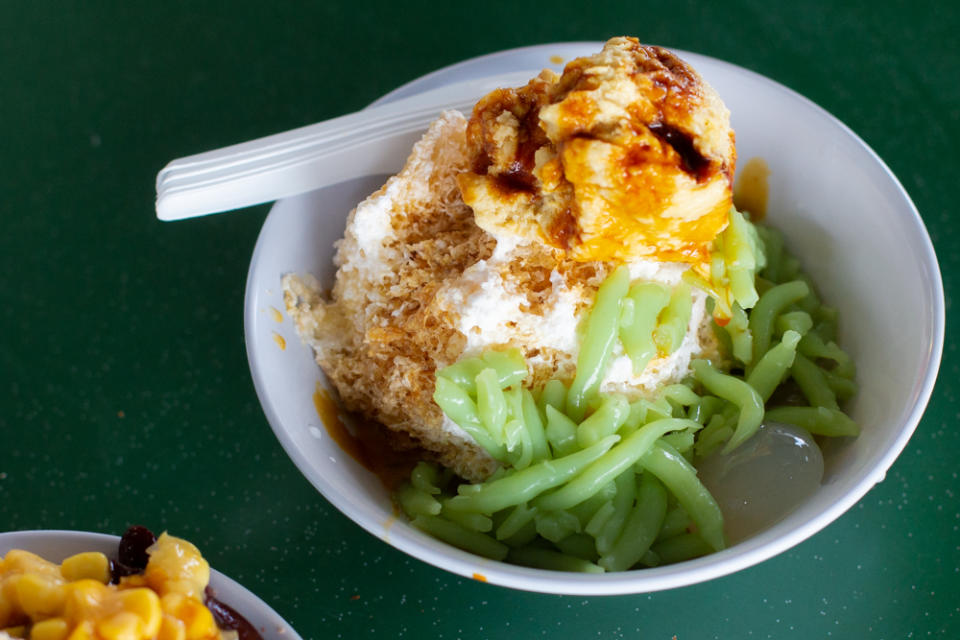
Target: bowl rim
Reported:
[(226, 589), (754, 550)]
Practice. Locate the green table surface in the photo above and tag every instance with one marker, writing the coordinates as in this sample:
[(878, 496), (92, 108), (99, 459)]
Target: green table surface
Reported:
[(125, 394)]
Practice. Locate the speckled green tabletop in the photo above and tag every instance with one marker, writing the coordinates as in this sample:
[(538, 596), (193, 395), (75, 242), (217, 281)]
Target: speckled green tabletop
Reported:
[(124, 389)]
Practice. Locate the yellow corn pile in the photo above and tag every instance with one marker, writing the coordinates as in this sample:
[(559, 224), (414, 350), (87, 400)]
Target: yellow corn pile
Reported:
[(41, 600)]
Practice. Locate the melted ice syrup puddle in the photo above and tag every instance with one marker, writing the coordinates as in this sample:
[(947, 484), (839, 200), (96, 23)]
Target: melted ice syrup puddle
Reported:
[(764, 479)]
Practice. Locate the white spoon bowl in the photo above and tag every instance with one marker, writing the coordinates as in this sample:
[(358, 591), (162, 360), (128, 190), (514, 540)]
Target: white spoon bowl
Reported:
[(843, 213), (56, 545)]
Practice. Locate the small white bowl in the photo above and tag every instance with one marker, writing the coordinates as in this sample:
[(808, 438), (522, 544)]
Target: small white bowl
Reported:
[(843, 213), (56, 545)]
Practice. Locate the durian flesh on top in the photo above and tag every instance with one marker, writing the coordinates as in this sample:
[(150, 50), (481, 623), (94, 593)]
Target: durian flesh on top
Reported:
[(629, 153)]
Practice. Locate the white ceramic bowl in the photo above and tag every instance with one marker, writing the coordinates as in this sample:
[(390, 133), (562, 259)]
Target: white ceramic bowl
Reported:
[(57, 545), (842, 211)]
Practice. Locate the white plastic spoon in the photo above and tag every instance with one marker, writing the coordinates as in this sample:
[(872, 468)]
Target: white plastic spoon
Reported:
[(285, 164)]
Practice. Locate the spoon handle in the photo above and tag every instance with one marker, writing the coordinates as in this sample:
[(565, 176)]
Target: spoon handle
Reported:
[(374, 140)]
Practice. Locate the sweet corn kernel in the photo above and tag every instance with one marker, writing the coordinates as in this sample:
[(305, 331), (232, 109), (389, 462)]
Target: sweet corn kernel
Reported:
[(50, 629), (83, 631), (132, 582), (197, 619), (84, 600), (170, 602), (171, 628), (145, 604), (18, 561), (40, 595), (121, 626), (8, 615), (91, 564), (202, 625), (12, 567)]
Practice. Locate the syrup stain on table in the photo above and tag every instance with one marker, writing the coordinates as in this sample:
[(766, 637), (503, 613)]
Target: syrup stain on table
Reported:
[(365, 441), (752, 190)]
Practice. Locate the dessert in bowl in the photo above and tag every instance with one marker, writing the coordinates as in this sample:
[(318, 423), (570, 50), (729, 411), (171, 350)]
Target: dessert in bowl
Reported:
[(77, 584), (838, 209)]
